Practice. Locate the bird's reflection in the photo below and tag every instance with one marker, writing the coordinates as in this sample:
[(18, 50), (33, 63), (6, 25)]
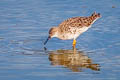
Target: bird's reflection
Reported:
[(72, 59)]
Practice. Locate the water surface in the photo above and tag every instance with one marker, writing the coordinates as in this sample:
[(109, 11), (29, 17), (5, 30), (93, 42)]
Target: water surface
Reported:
[(24, 26)]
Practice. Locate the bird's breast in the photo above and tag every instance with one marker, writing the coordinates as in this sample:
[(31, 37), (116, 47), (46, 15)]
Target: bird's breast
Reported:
[(72, 32), (66, 36)]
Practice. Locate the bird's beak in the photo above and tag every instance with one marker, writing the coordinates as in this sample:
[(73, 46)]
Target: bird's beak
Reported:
[(47, 40)]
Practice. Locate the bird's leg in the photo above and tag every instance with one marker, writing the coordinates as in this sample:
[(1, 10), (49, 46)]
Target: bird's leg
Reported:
[(74, 49), (74, 43)]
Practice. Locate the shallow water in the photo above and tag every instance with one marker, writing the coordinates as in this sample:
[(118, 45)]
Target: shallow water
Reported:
[(24, 26)]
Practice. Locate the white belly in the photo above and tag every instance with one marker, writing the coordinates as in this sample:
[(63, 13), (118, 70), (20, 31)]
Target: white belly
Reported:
[(74, 35)]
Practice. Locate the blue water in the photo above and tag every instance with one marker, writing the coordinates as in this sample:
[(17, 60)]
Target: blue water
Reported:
[(24, 26)]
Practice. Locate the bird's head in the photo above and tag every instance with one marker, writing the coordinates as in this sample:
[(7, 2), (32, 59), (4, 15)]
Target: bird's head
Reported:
[(53, 32)]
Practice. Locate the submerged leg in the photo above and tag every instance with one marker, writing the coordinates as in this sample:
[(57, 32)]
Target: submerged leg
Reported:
[(74, 42), (74, 49)]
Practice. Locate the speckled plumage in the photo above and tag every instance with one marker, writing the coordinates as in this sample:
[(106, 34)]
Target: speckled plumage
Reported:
[(73, 27)]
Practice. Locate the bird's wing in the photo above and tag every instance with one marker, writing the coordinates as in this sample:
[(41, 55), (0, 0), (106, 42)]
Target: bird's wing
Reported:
[(72, 24)]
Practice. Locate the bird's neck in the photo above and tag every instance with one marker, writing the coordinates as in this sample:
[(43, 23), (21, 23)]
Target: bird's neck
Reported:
[(59, 33)]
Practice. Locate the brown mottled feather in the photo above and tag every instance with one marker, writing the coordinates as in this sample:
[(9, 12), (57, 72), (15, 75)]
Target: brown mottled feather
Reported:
[(77, 22)]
